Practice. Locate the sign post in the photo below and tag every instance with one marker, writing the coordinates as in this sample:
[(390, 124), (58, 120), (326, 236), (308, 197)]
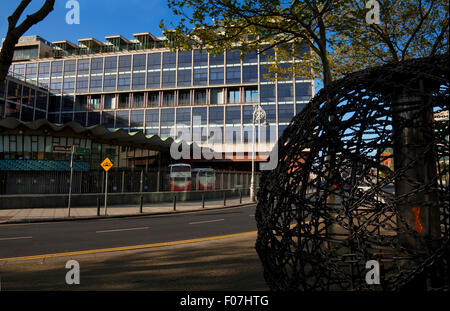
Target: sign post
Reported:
[(106, 164), (70, 182)]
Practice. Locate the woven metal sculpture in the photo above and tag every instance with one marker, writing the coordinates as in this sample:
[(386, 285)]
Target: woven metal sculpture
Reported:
[(362, 175)]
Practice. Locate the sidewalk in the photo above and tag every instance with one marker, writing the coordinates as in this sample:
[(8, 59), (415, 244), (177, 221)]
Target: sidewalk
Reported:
[(52, 214)]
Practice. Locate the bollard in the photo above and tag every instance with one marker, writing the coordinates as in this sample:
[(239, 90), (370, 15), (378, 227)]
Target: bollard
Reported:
[(174, 202), (240, 196), (203, 200), (98, 206), (141, 203), (224, 198)]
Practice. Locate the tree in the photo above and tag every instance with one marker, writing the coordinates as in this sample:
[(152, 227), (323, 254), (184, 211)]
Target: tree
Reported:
[(16, 31), (335, 31)]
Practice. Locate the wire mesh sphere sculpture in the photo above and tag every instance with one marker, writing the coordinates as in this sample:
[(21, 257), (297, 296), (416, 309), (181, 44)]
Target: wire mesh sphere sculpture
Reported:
[(362, 182)]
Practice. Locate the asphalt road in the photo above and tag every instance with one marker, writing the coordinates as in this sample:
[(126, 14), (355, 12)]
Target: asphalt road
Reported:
[(71, 236)]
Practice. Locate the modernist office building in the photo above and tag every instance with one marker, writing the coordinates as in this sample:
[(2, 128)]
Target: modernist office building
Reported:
[(140, 84)]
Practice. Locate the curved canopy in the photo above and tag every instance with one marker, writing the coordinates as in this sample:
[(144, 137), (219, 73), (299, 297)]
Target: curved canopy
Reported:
[(96, 132)]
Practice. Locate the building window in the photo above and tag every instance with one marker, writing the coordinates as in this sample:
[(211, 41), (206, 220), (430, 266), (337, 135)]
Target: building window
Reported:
[(122, 119), (82, 85), (57, 68), (69, 85), (184, 59), (303, 91), (44, 70), (167, 117), (216, 97), (216, 115), (154, 61), (266, 55), (285, 113), (184, 77), (97, 65), (234, 96), (80, 103), (139, 62), (184, 117), (110, 83), (138, 81), (233, 57), (169, 60), (216, 60), (125, 63), (95, 102), (200, 58), (233, 115), (234, 74), (285, 92), (271, 113), (216, 76), (184, 98), (124, 101), (250, 74), (111, 64), (153, 99), (96, 83), (110, 101), (153, 80), (250, 58), (137, 119), (152, 118), (70, 67), (83, 67), (267, 93), (168, 78), (168, 99), (200, 76), (200, 97), (251, 95), (138, 100), (124, 82)]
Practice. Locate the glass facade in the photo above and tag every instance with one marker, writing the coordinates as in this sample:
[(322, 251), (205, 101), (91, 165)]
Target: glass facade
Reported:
[(143, 90)]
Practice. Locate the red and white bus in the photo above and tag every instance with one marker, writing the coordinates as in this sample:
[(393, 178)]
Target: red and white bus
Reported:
[(204, 178), (180, 177)]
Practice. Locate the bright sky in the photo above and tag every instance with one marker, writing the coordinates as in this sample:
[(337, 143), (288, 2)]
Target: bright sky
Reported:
[(98, 18)]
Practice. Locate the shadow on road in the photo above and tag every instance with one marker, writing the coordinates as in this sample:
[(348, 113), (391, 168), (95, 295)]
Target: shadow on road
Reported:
[(229, 264)]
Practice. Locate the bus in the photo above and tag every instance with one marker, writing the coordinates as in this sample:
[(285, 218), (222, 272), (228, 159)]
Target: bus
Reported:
[(180, 177), (204, 178)]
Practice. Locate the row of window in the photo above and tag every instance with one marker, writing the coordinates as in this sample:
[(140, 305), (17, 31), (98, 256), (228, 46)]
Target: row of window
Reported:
[(142, 71), (22, 94), (154, 99), (167, 117), (138, 62)]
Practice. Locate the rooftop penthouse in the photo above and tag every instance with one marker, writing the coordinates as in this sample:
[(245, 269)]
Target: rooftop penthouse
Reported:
[(34, 47)]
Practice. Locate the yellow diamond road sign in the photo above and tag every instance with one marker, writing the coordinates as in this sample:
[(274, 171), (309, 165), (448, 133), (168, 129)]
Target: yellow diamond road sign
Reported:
[(107, 164)]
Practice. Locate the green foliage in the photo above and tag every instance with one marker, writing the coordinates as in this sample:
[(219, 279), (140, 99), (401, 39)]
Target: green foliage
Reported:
[(331, 37)]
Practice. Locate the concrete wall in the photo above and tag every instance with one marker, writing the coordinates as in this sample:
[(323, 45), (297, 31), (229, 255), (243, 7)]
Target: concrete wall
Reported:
[(90, 199)]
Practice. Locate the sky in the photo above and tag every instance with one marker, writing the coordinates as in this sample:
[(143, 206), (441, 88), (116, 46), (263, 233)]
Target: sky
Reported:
[(98, 18)]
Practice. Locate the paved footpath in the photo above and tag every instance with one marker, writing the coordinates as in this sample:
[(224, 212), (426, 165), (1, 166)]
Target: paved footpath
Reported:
[(35, 214)]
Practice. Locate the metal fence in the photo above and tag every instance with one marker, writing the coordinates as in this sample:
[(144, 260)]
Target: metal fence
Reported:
[(119, 181)]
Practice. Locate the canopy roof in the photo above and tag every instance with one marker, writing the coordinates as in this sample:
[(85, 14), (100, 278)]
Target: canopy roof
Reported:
[(98, 133)]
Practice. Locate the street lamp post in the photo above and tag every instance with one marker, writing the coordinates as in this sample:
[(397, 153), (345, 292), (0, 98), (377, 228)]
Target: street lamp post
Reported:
[(258, 114)]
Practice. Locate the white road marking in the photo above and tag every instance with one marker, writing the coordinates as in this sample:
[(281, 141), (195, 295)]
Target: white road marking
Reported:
[(16, 238), (204, 222), (252, 215), (118, 230)]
